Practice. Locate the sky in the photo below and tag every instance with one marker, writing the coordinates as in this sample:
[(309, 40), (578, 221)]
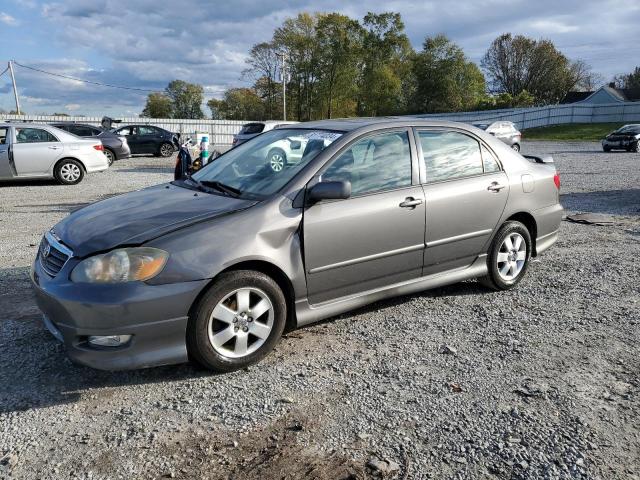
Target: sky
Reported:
[(145, 44)]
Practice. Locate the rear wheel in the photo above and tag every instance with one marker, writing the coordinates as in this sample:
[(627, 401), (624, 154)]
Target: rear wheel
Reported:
[(606, 149), (111, 157), (635, 147), (508, 257), (238, 321), (166, 150), (69, 172), (516, 147)]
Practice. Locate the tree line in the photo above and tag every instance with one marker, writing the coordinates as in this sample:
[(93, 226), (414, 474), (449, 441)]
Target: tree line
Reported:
[(338, 66)]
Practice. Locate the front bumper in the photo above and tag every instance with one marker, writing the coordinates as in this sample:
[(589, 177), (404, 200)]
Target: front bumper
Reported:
[(619, 144), (155, 315)]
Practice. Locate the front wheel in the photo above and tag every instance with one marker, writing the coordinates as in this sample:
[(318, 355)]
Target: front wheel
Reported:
[(277, 159), (515, 147), (508, 257), (238, 321), (69, 172), (606, 149), (635, 147)]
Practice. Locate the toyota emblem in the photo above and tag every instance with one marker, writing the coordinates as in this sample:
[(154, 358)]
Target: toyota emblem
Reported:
[(46, 251)]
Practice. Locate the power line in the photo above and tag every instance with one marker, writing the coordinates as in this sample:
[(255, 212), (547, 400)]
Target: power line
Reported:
[(4, 71), (85, 81)]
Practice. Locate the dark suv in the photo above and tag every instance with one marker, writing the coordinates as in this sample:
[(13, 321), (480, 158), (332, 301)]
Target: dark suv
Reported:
[(147, 139), (115, 147)]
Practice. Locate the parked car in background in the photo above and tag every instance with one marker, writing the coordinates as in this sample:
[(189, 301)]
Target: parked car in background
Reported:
[(504, 131), (115, 146), (214, 266), (148, 139), (31, 150), (250, 130), (625, 138)]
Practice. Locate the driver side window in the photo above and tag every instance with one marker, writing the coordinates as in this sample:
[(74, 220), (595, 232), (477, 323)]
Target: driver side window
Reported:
[(374, 164)]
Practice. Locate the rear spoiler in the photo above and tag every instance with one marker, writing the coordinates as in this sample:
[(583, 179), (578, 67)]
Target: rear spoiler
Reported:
[(540, 159)]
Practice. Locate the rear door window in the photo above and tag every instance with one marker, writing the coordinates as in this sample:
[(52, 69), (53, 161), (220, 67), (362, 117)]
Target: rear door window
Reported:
[(4, 132), (144, 130), (34, 135), (449, 155), (125, 131)]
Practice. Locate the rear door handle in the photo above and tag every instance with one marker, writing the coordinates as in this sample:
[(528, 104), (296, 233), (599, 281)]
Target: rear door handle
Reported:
[(495, 187), (411, 202), (54, 147)]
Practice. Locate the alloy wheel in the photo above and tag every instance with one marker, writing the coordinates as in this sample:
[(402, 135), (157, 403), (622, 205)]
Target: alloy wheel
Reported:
[(512, 256), (166, 150), (241, 322), (110, 156), (277, 162), (70, 172)]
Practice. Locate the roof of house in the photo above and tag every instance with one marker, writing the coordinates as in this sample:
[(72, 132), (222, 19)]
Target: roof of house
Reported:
[(620, 94)]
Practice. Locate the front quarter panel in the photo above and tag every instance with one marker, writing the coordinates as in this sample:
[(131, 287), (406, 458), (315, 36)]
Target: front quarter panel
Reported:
[(267, 232)]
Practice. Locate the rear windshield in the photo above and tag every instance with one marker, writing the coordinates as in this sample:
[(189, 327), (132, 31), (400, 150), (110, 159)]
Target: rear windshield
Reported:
[(252, 128)]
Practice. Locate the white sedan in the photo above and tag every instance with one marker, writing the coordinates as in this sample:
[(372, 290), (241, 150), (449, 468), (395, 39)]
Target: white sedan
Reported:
[(29, 150)]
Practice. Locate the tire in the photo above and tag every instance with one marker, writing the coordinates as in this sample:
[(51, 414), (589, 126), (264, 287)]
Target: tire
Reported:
[(606, 149), (218, 329), (111, 156), (277, 159), (165, 150), (505, 269), (515, 147), (69, 171), (635, 147)]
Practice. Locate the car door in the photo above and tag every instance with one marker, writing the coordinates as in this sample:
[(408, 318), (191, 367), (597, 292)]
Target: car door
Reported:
[(132, 138), (35, 150), (149, 139), (376, 237), (5, 166), (466, 191)]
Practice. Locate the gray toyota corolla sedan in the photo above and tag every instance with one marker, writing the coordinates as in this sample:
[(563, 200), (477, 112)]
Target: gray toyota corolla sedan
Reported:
[(216, 266)]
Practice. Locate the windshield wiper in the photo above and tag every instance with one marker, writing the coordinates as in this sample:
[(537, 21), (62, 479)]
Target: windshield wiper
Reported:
[(228, 189)]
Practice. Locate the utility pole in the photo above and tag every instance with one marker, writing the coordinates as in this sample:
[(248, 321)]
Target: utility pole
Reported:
[(283, 73), (15, 89)]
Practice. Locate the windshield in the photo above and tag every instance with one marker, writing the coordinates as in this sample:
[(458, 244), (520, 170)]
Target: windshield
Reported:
[(264, 164), (629, 129)]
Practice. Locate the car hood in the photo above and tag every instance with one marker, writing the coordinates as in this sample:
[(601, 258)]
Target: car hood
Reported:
[(137, 217)]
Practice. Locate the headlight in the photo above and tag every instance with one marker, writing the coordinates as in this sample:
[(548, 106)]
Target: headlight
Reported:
[(121, 265)]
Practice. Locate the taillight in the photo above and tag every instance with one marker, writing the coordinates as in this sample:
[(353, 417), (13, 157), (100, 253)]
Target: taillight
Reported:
[(99, 147), (556, 180)]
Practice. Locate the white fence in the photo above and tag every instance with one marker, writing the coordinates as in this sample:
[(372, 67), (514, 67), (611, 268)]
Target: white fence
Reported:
[(220, 131), (550, 115)]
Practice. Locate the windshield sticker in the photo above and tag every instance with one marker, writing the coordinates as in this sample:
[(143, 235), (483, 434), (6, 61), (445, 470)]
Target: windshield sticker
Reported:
[(322, 135)]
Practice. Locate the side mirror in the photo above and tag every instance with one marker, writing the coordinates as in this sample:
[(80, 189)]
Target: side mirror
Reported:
[(330, 191), (295, 144)]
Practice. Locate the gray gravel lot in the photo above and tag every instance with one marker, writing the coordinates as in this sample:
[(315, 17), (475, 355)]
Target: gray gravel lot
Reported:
[(539, 382)]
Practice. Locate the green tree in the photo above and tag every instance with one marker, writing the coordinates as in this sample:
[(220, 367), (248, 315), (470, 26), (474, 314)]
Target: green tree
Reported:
[(263, 68), (385, 65), (186, 99), (238, 104), (158, 105), (629, 80), (519, 63), (339, 43), (445, 80)]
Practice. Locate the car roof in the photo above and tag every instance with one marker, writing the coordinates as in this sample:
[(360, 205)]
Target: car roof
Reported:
[(349, 124)]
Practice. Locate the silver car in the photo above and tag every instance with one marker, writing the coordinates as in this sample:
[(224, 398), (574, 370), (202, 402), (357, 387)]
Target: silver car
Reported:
[(215, 267), (505, 131), (29, 150)]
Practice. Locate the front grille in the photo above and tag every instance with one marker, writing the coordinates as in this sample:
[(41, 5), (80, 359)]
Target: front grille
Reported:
[(52, 256)]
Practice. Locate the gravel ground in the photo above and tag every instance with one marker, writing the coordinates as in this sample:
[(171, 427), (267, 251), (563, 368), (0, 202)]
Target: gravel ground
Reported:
[(539, 382)]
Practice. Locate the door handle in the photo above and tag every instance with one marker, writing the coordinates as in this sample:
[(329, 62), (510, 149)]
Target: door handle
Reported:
[(495, 187), (411, 202), (54, 147)]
